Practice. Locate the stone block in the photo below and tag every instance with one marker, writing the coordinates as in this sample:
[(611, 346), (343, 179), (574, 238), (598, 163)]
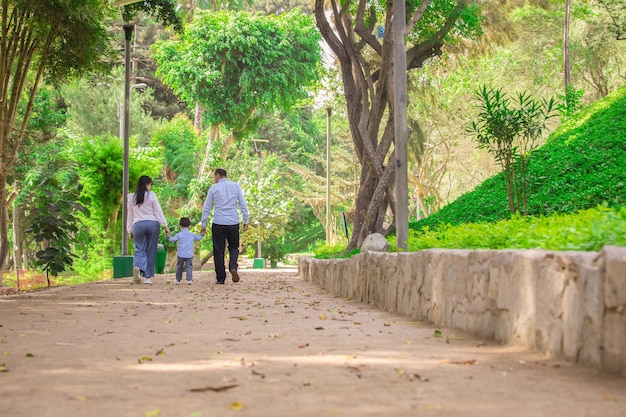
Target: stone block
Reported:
[(614, 276), (614, 343), (548, 322)]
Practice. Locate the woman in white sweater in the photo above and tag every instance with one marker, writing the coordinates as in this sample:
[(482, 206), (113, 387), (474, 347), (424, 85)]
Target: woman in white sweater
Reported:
[(145, 217)]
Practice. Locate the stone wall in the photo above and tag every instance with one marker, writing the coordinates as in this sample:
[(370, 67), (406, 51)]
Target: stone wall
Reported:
[(570, 305)]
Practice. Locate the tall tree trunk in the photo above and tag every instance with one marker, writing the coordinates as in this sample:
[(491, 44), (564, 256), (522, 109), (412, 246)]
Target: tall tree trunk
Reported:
[(213, 136), (368, 89), (18, 255), (197, 118), (4, 224)]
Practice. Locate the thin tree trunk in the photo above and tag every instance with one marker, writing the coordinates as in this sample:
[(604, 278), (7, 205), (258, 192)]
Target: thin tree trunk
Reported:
[(17, 242), (213, 136), (197, 118), (4, 225), (113, 222)]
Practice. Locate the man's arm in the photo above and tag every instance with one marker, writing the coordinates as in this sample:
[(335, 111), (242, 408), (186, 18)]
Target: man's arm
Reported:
[(206, 210), (243, 206)]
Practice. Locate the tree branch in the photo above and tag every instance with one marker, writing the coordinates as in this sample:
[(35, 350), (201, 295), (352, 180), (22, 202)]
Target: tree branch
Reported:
[(417, 55), (417, 15)]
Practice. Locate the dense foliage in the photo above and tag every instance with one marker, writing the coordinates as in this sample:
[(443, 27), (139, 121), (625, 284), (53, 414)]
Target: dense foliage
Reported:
[(580, 167), (586, 230), (239, 66)]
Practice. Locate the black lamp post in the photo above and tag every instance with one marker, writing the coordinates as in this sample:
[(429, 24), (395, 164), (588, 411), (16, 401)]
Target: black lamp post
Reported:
[(128, 33)]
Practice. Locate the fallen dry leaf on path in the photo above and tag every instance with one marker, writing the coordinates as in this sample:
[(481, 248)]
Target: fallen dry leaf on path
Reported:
[(236, 406), (214, 389), (467, 362)]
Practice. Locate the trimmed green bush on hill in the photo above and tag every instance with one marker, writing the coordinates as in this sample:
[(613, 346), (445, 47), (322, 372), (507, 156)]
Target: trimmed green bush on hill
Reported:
[(586, 230), (581, 165)]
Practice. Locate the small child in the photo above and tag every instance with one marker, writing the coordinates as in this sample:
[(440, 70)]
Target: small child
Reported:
[(184, 251)]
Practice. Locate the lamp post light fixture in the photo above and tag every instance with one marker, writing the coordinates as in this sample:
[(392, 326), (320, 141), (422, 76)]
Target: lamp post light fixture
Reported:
[(120, 108)]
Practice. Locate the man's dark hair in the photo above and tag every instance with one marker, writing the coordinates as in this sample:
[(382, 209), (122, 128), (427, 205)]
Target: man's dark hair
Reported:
[(184, 222), (221, 172)]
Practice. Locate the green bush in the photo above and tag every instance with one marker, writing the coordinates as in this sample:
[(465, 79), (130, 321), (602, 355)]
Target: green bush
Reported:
[(275, 251), (323, 251), (581, 166), (586, 230)]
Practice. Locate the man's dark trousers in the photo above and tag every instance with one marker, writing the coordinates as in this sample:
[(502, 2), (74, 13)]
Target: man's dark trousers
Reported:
[(222, 234)]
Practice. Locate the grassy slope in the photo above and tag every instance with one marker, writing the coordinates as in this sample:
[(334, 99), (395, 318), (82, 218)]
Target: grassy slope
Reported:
[(582, 165)]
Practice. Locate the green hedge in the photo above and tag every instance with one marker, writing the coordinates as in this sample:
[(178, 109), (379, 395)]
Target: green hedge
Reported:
[(582, 165)]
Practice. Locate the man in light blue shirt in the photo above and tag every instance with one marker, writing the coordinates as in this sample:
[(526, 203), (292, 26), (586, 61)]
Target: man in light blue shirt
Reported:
[(224, 199), (185, 239)]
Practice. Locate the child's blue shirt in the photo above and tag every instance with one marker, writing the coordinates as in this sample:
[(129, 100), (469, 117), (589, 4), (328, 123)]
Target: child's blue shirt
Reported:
[(185, 241)]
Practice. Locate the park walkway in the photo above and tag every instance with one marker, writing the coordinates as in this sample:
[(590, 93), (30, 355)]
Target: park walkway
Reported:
[(270, 345)]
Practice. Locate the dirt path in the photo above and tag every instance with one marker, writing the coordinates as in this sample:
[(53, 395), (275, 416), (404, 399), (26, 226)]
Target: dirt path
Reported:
[(271, 345)]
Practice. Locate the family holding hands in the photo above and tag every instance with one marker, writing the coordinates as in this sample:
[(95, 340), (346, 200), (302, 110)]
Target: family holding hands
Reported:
[(145, 217)]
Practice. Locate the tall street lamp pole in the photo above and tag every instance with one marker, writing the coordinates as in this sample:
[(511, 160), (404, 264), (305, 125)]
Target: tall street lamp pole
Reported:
[(128, 33), (122, 266), (258, 183), (328, 217)]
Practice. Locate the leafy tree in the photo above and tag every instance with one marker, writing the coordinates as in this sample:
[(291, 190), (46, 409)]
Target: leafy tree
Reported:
[(361, 41), (100, 167), (163, 10), (179, 143), (54, 224), (99, 162), (95, 106), (616, 11), (56, 39), (241, 67), (51, 39), (509, 130), (41, 161), (270, 204)]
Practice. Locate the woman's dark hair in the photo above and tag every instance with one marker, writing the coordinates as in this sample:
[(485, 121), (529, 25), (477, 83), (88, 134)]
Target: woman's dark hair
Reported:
[(184, 222), (142, 187)]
